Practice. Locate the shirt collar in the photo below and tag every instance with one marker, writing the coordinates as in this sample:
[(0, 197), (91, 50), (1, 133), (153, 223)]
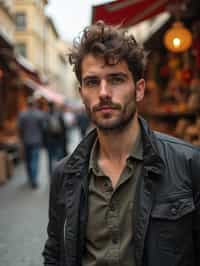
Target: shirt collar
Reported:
[(137, 148), (94, 157), (136, 152)]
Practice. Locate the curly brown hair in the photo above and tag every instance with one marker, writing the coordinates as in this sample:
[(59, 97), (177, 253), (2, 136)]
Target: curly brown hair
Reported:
[(111, 43)]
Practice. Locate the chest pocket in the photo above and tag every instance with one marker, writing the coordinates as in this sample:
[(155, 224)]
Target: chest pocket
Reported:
[(171, 222), (173, 209)]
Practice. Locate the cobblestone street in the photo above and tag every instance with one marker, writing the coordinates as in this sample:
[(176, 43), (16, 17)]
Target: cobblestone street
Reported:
[(24, 214), (23, 219)]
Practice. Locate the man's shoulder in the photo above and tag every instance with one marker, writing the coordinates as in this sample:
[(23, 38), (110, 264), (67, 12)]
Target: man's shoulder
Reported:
[(60, 166), (22, 116), (58, 172), (38, 113), (176, 143)]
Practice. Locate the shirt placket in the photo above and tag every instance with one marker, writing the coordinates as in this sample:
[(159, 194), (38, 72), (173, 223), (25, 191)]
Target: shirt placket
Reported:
[(112, 220)]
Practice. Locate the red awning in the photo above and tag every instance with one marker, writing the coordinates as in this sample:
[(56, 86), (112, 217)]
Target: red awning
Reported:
[(50, 95), (30, 78), (44, 91), (129, 12)]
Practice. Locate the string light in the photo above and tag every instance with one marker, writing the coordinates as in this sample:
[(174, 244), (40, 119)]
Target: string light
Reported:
[(178, 38)]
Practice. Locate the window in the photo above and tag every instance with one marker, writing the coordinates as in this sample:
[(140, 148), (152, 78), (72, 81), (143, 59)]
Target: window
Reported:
[(21, 21), (21, 49)]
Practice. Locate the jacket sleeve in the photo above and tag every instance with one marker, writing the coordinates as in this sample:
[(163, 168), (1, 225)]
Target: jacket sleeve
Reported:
[(52, 249), (195, 167)]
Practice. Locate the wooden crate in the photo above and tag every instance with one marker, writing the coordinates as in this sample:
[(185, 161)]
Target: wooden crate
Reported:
[(3, 167)]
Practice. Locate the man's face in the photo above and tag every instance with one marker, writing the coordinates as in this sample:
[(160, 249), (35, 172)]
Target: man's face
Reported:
[(108, 92)]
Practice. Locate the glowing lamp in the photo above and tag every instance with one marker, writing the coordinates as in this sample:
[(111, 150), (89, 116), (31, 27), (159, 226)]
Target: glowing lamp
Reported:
[(178, 38), (1, 73)]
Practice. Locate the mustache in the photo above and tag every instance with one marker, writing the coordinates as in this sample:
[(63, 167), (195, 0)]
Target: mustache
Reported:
[(106, 104)]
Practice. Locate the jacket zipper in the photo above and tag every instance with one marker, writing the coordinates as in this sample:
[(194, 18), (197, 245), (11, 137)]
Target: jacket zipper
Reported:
[(64, 233)]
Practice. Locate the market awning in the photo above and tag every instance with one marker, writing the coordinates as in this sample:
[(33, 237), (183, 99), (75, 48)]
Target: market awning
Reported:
[(129, 12), (49, 94), (44, 91)]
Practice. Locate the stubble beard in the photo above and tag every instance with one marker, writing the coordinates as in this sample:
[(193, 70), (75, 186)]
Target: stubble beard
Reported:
[(121, 123)]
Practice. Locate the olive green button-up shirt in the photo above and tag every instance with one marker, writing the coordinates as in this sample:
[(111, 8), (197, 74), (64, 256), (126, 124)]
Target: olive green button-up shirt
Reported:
[(109, 233)]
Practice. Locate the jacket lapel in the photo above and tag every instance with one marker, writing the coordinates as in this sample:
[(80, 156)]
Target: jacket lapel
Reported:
[(75, 185), (151, 173)]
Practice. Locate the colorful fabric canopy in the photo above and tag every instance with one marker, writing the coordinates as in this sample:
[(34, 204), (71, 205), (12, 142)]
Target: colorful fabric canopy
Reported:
[(129, 12)]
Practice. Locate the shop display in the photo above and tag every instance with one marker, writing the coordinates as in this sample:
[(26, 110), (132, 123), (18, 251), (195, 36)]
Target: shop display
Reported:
[(3, 167), (172, 102)]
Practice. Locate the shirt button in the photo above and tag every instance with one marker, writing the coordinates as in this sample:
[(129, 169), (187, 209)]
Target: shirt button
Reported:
[(112, 207), (148, 186), (106, 184), (115, 240), (108, 187), (174, 210)]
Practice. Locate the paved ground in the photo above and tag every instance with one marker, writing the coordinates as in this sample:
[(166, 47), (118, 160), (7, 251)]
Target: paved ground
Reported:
[(23, 219), (24, 215)]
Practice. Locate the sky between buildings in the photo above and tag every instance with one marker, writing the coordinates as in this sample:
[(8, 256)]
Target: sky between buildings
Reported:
[(71, 16)]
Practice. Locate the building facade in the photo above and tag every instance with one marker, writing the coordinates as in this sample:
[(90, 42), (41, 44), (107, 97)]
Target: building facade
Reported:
[(7, 22), (37, 39), (30, 31)]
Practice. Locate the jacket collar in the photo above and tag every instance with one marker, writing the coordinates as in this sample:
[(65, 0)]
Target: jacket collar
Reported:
[(152, 160), (80, 157), (79, 160)]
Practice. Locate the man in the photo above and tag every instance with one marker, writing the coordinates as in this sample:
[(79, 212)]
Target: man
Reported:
[(55, 135), (83, 121), (127, 195), (31, 124)]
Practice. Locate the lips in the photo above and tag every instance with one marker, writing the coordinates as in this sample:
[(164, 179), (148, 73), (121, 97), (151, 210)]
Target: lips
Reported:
[(105, 108)]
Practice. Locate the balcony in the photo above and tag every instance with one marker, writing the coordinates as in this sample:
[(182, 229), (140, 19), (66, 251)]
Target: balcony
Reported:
[(8, 6)]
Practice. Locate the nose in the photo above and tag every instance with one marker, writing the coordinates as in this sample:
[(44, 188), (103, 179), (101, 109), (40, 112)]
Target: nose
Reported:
[(104, 91)]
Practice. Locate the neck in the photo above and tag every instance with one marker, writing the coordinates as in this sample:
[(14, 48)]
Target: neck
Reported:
[(117, 144)]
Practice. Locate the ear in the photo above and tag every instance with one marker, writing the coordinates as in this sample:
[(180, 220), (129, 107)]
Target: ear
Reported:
[(140, 89), (80, 90)]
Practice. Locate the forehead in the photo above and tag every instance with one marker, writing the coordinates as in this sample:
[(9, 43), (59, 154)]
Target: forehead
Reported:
[(95, 65)]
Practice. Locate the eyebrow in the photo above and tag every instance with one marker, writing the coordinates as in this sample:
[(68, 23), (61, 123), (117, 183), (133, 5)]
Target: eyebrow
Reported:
[(122, 74), (89, 77)]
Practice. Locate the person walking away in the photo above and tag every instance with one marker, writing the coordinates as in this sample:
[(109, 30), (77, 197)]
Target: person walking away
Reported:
[(31, 125), (55, 136), (127, 195), (70, 124), (83, 121)]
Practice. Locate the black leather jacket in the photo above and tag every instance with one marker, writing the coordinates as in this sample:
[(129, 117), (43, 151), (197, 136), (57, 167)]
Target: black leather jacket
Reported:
[(167, 224)]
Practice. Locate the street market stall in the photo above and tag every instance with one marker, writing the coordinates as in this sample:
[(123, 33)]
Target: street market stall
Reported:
[(172, 102)]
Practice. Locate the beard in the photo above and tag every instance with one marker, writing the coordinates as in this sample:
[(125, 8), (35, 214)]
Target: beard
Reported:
[(109, 122)]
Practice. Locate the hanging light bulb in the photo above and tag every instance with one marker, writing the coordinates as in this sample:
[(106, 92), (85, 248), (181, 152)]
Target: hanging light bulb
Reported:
[(1, 73), (178, 38), (176, 42)]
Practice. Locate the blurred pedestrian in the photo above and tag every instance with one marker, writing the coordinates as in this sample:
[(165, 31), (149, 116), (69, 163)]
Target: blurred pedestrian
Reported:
[(127, 195), (31, 126), (70, 124), (83, 121), (55, 135)]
